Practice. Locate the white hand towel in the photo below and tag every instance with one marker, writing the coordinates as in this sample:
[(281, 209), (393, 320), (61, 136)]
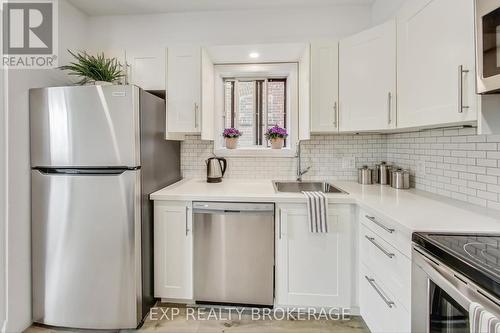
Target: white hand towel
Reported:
[(317, 211), (482, 321)]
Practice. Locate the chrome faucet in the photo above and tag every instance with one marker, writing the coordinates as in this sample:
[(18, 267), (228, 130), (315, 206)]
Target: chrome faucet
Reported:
[(300, 172)]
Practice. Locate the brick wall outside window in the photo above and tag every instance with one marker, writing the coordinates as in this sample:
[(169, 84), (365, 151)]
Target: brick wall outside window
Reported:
[(247, 117)]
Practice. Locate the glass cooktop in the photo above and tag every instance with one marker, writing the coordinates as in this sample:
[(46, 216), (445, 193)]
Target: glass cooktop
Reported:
[(475, 256)]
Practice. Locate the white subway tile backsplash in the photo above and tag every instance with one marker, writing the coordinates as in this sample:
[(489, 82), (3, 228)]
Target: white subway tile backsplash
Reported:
[(493, 138), (325, 154), (493, 171), (494, 188), (494, 155), (487, 179), (487, 146), (455, 163), (470, 167)]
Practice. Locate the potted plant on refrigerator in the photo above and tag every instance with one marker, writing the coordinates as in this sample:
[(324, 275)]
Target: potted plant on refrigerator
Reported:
[(231, 135), (276, 135), (94, 70)]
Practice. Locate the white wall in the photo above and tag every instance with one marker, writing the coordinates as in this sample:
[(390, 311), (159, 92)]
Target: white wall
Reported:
[(3, 197), (228, 27), (382, 10), (3, 190), (72, 34)]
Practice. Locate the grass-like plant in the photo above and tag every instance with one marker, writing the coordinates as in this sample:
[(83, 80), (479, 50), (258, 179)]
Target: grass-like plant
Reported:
[(93, 68)]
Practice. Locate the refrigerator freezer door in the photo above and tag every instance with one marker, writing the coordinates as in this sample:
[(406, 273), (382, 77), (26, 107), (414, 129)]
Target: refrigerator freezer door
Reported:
[(86, 249), (85, 126)]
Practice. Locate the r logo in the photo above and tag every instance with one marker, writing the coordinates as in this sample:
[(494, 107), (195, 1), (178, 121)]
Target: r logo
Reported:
[(28, 28)]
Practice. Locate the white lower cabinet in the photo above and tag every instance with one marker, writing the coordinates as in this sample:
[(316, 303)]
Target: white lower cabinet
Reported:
[(384, 276), (392, 267), (381, 311), (313, 269), (173, 250)]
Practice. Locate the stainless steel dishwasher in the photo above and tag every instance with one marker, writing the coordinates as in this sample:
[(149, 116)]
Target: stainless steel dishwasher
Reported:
[(233, 253)]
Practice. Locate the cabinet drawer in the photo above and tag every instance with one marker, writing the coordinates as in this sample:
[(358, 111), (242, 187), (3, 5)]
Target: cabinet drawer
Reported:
[(392, 233), (381, 311), (390, 265)]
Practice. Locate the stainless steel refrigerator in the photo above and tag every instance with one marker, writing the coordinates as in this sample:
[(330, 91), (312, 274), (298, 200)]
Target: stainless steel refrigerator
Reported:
[(97, 152)]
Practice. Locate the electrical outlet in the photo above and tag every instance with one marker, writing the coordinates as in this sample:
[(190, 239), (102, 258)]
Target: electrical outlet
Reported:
[(348, 162), (420, 168)]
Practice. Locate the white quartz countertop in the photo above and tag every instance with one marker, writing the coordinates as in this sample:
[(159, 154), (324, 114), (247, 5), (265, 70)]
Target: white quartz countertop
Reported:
[(415, 210)]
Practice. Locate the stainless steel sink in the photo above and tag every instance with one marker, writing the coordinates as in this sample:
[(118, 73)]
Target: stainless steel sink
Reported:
[(297, 187)]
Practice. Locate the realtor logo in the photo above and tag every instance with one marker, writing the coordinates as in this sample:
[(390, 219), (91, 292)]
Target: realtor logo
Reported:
[(29, 34)]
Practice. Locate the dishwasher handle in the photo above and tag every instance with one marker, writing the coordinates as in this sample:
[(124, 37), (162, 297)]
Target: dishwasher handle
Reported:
[(232, 207)]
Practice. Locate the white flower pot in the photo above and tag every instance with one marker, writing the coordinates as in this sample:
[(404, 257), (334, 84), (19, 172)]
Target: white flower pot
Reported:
[(99, 83), (277, 143), (231, 143)]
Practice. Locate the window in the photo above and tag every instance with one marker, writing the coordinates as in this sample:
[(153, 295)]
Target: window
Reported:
[(254, 105), (253, 98)]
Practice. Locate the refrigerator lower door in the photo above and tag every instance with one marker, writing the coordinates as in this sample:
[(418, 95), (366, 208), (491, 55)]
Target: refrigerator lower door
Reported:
[(85, 126), (86, 249)]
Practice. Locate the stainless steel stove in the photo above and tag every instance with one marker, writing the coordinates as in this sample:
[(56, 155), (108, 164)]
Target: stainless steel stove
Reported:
[(475, 256), (450, 272)]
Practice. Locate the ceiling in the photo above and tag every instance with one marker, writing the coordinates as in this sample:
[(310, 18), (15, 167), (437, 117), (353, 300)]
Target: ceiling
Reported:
[(131, 7), (263, 53)]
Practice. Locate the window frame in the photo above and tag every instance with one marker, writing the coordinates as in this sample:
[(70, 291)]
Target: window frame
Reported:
[(288, 71), (261, 101)]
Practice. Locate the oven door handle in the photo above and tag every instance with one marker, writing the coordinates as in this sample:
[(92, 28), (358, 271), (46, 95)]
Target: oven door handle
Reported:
[(444, 278)]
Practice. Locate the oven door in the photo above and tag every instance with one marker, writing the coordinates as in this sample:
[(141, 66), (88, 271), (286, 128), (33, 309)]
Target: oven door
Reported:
[(441, 297), (488, 46)]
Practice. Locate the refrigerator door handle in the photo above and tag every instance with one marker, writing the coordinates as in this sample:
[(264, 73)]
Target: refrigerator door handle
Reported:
[(83, 172)]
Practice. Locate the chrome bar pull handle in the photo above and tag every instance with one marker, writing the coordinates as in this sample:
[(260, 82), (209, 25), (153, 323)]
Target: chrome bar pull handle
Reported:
[(187, 220), (372, 218), (380, 247), (389, 107), (335, 113), (196, 115), (387, 301), (279, 224), (461, 72)]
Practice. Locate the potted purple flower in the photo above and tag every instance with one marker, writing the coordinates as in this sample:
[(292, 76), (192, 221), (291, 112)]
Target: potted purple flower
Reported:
[(276, 135), (231, 135)]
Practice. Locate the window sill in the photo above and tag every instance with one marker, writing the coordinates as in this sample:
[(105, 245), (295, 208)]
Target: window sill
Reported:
[(254, 152)]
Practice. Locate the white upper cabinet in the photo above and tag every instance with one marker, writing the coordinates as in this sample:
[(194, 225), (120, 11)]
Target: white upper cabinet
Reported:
[(184, 89), (324, 84), (435, 41), (367, 76), (304, 124), (147, 68), (207, 96)]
